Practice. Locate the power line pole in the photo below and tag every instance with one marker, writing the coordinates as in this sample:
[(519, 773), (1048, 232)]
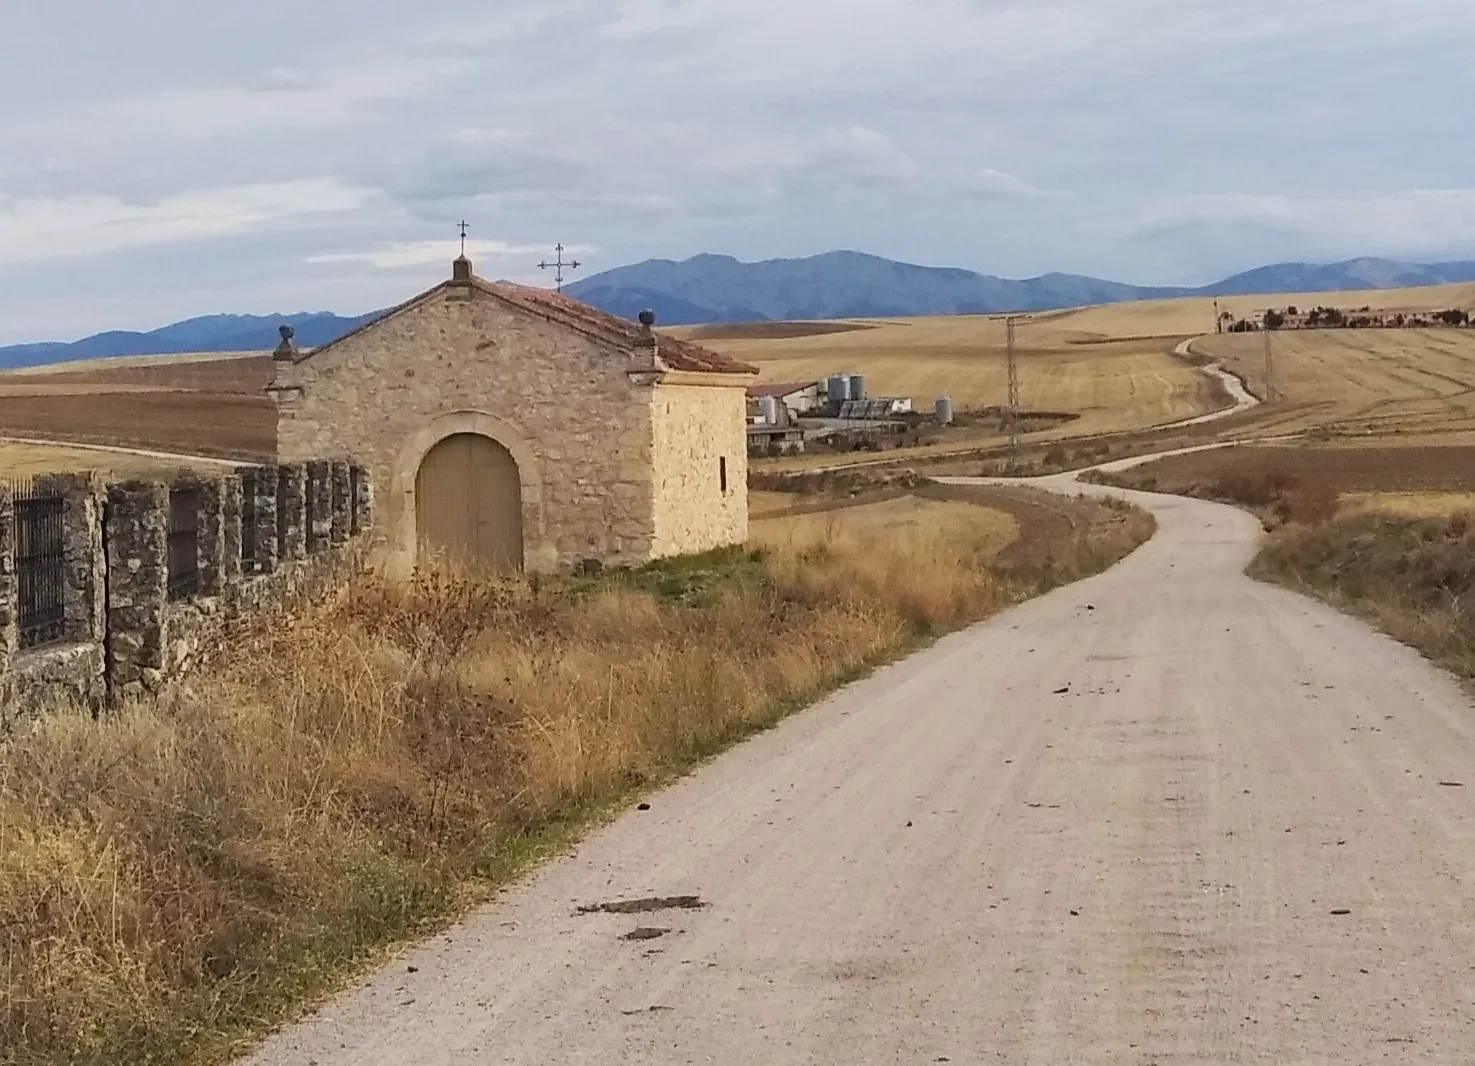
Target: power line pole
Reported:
[(1218, 321), (1013, 410), (560, 266)]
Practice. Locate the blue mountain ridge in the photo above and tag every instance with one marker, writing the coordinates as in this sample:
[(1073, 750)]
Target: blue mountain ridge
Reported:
[(721, 289)]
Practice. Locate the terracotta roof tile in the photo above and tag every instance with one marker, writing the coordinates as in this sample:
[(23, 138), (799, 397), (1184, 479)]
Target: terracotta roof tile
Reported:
[(677, 354)]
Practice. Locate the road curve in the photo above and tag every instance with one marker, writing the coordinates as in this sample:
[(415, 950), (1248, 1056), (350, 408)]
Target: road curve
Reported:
[(1167, 815)]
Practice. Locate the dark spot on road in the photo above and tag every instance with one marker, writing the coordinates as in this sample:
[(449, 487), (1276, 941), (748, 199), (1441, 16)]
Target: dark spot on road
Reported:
[(1063, 691), (645, 933), (1340, 912), (643, 807), (412, 969), (1451, 784), (646, 906), (645, 1010)]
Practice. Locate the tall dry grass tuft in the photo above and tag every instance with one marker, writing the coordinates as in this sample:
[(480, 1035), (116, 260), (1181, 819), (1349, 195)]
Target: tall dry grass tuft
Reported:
[(176, 878)]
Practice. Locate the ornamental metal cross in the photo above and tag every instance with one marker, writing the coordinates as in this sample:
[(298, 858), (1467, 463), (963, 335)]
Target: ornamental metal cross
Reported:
[(463, 239), (559, 264)]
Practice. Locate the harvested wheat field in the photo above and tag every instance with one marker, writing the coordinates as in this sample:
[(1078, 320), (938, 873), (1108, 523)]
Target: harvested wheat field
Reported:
[(1112, 385), (188, 404), (1371, 383), (21, 461)]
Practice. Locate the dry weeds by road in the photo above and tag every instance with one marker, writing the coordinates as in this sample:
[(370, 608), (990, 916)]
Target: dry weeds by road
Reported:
[(1167, 815)]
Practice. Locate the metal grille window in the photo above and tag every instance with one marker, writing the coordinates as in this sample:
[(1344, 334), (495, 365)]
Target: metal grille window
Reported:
[(250, 533), (41, 565), (184, 543), (355, 489), (284, 516), (310, 483)]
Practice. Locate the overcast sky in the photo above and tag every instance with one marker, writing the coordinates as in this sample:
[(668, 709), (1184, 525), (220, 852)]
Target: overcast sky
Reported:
[(166, 158)]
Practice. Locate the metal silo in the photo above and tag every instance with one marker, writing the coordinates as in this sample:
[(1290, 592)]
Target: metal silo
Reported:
[(945, 414), (839, 389), (857, 387), (768, 408)]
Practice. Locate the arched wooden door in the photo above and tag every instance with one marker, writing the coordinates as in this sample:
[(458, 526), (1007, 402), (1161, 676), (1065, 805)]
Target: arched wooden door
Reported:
[(468, 504)]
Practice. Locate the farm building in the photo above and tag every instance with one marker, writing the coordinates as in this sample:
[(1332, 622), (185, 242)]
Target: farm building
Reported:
[(516, 428), (799, 397)]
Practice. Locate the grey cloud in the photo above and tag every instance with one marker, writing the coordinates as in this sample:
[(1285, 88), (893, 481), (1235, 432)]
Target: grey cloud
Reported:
[(1004, 135)]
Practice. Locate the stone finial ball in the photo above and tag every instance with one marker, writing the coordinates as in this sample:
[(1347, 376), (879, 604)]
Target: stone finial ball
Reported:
[(287, 332), (647, 318)]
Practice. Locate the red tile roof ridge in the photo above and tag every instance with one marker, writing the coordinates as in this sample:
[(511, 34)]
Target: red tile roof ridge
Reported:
[(676, 354)]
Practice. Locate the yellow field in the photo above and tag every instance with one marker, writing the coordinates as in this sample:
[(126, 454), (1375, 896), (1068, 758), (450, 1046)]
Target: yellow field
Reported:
[(932, 525), (1112, 384), (1410, 385), (1408, 504), (1195, 316), (78, 366), (27, 460)]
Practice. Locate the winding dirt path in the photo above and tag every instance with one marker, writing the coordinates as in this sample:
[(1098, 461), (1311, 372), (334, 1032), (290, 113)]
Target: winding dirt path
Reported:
[(1167, 815)]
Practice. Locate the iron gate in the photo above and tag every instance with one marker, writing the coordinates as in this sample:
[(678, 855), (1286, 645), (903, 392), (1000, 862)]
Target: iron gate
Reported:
[(184, 543), (41, 565)]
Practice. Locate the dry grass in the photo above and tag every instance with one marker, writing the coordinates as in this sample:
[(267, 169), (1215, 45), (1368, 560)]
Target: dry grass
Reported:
[(1412, 577), (1302, 482), (174, 879)]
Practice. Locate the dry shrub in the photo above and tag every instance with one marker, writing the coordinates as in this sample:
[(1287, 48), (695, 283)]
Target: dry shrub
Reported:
[(175, 877), (1415, 577)]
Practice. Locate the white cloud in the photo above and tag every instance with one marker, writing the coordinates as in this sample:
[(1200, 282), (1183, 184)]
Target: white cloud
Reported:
[(36, 230), (990, 184), (1397, 224)]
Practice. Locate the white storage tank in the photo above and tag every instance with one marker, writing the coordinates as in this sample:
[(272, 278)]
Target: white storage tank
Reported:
[(839, 389), (945, 414), (768, 410), (857, 387)]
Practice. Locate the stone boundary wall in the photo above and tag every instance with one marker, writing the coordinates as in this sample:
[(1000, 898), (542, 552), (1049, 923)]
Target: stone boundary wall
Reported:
[(124, 636)]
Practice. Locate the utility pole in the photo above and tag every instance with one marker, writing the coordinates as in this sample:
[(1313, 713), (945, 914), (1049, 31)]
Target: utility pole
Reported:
[(1013, 409), (560, 266), (1218, 321), (1269, 366)]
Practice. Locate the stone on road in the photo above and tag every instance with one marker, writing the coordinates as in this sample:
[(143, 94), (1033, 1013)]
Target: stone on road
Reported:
[(1204, 822)]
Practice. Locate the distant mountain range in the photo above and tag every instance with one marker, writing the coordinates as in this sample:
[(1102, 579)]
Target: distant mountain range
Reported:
[(212, 333), (718, 288)]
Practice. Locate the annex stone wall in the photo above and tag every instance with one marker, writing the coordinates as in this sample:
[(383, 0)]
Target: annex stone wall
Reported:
[(152, 587), (699, 465), (565, 405)]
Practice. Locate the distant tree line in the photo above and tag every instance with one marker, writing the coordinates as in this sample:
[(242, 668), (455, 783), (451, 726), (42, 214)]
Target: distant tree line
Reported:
[(1335, 318)]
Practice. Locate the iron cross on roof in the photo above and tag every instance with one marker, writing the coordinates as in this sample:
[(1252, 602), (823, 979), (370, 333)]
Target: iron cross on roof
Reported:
[(463, 239), (560, 265)]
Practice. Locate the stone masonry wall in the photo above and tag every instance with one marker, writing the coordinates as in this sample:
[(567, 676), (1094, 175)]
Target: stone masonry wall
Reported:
[(567, 403), (138, 585), (123, 636), (699, 433)]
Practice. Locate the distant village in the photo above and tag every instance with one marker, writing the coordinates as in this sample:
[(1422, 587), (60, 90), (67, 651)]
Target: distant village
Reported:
[(1335, 318)]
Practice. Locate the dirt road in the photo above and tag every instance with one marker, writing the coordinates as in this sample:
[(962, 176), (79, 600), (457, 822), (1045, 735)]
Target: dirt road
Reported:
[(1164, 816)]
